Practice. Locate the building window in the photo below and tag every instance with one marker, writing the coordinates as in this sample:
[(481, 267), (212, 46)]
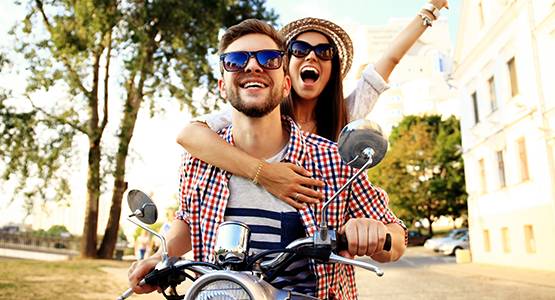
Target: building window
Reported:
[(522, 160), (501, 169), (506, 239), (512, 76), (529, 239), (492, 97), (487, 245), (482, 167), (475, 104)]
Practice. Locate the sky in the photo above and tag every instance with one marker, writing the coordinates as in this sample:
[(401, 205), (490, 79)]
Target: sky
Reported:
[(155, 153)]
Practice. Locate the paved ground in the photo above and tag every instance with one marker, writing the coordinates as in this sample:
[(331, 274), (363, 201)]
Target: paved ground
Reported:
[(423, 275)]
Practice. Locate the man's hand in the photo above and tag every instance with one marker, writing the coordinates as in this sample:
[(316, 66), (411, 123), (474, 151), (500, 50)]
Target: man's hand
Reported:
[(138, 271), (365, 237)]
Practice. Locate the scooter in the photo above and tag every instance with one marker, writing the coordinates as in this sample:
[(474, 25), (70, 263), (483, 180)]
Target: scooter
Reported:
[(235, 275)]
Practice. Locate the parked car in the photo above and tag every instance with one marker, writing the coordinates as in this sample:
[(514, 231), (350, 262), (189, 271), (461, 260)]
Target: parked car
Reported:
[(433, 244), (417, 239), (450, 247)]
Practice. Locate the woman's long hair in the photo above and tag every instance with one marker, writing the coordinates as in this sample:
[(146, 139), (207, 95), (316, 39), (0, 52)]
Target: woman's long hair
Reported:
[(331, 109)]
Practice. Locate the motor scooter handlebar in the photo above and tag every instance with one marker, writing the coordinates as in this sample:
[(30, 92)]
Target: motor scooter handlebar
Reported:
[(129, 292), (342, 243)]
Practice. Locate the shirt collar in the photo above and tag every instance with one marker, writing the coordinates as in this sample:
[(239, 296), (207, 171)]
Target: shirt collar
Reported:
[(296, 148)]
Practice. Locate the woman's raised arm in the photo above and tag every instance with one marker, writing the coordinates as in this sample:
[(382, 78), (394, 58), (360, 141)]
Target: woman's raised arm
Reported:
[(405, 40)]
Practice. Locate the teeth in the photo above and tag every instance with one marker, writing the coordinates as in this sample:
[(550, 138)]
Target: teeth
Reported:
[(310, 69), (254, 85)]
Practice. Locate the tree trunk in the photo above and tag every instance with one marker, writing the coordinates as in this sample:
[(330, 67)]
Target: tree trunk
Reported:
[(112, 228), (120, 186), (431, 231), (89, 238)]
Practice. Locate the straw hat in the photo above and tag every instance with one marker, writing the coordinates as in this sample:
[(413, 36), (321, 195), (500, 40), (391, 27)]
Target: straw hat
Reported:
[(339, 37)]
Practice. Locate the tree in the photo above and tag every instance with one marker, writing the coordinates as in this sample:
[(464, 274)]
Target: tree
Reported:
[(69, 46), (56, 231), (423, 171)]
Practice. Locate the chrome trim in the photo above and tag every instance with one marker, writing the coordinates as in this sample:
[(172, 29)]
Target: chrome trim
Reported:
[(232, 240), (255, 287)]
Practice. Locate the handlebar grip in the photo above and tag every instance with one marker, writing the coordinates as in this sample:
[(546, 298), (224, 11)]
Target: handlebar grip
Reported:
[(387, 244), (342, 243)]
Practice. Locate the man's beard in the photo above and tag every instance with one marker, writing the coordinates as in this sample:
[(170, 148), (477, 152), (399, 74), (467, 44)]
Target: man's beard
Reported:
[(253, 110)]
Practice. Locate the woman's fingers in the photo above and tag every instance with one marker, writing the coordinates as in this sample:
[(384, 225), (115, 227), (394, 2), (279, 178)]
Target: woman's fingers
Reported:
[(285, 180), (308, 195)]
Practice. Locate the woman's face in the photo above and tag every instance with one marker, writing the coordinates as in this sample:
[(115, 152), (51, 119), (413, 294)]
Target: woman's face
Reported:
[(310, 74)]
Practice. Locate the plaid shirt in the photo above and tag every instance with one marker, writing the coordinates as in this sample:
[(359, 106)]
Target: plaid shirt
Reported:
[(203, 196)]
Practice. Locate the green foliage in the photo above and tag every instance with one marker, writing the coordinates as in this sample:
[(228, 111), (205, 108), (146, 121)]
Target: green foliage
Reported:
[(173, 39), (161, 49), (121, 235), (423, 170), (28, 152), (56, 231)]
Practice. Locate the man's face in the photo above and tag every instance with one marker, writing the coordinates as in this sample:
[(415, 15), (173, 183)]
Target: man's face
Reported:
[(254, 91)]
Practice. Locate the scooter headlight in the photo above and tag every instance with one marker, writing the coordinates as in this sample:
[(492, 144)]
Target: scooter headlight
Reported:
[(222, 290)]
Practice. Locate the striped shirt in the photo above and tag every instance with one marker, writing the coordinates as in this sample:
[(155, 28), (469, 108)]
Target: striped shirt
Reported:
[(204, 194), (274, 224)]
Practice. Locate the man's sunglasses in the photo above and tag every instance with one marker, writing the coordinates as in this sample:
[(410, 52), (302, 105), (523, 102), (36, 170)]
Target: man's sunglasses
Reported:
[(237, 61), (302, 49)]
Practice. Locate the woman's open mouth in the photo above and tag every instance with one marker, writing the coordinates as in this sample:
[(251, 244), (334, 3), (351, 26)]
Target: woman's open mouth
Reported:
[(309, 75)]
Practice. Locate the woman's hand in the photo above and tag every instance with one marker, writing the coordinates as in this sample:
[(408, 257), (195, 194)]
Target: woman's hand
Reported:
[(439, 4), (290, 183)]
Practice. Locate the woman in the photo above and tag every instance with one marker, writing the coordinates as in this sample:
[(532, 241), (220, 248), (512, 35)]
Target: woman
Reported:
[(320, 55), (141, 244)]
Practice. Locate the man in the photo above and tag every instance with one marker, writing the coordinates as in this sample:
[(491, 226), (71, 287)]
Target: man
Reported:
[(254, 81)]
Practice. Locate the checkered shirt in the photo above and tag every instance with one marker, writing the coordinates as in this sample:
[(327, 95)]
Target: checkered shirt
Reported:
[(203, 196)]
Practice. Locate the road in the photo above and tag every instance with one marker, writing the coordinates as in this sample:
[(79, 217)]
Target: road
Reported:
[(419, 275)]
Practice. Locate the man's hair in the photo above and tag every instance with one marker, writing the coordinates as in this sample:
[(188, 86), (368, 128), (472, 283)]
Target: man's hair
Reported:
[(249, 26)]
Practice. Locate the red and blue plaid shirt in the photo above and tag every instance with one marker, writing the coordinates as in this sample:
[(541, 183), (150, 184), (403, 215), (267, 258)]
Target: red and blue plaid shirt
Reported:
[(203, 196)]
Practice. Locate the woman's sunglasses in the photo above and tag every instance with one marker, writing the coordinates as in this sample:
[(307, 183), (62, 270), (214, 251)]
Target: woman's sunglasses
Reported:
[(302, 49), (237, 61)]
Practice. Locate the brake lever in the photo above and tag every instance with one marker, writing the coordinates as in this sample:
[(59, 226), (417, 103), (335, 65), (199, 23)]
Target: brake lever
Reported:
[(334, 258)]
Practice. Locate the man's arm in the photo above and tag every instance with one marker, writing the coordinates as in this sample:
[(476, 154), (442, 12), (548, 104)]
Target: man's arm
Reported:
[(178, 241)]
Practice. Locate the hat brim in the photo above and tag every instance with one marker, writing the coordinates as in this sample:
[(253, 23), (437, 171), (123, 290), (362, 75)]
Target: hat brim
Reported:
[(338, 36)]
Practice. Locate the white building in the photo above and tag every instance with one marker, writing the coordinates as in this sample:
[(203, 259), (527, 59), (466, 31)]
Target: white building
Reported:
[(418, 83), (504, 66)]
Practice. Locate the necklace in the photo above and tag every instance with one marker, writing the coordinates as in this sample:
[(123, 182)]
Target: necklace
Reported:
[(305, 121), (308, 126)]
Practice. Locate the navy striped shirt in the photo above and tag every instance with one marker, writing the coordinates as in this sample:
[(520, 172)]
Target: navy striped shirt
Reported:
[(274, 224)]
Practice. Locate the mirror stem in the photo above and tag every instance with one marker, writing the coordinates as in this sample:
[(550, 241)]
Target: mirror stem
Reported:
[(368, 152), (161, 237)]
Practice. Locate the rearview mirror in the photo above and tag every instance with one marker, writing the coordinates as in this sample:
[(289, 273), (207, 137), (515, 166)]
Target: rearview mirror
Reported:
[(142, 206), (357, 138)]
